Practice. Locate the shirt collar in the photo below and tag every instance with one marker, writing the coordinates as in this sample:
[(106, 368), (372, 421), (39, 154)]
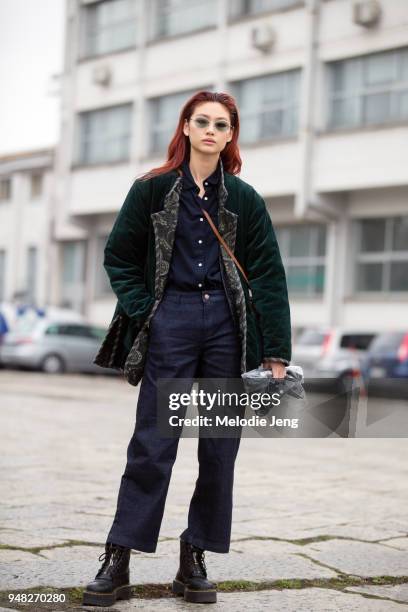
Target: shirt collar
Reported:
[(189, 182)]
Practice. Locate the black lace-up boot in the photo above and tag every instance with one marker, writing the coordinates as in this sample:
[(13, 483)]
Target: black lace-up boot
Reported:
[(112, 580), (191, 579)]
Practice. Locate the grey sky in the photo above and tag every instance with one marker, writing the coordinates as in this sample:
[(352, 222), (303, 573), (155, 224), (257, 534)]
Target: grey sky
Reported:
[(31, 51)]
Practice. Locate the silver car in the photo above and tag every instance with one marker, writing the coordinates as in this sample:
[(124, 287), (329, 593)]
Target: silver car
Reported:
[(331, 353), (53, 346)]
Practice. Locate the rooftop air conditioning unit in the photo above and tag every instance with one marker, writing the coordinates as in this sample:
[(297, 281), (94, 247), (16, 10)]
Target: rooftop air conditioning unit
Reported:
[(366, 12), (102, 75), (263, 37)]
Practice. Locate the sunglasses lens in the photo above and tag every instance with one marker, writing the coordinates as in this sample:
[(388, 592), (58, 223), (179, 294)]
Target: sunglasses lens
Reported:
[(201, 123)]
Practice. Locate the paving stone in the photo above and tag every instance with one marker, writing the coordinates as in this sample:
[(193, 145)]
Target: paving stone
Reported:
[(27, 539), (14, 565), (302, 600), (398, 592), (358, 558), (359, 531), (399, 543)]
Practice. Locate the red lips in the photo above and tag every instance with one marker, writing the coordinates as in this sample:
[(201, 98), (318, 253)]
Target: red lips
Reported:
[(208, 140)]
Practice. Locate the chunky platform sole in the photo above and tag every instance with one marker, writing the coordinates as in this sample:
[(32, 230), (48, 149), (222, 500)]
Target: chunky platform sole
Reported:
[(194, 595), (91, 598)]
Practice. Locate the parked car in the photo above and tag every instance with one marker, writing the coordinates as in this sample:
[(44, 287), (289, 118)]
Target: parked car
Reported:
[(53, 345), (331, 354), (385, 367)]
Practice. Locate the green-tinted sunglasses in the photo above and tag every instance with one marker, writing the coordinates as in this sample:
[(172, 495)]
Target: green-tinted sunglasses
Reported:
[(219, 124)]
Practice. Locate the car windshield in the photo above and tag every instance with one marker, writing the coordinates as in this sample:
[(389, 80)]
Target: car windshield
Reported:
[(361, 342)]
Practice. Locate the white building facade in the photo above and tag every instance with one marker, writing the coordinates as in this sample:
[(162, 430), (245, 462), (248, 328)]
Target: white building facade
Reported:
[(322, 89), (26, 199)]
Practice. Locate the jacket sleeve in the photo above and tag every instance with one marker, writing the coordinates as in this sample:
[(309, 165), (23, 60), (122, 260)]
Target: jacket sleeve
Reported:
[(125, 256), (267, 277)]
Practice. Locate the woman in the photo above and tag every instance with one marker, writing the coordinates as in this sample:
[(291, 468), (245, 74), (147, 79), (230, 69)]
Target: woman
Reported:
[(184, 311)]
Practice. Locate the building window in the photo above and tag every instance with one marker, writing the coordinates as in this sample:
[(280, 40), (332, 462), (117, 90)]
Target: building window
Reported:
[(382, 254), (303, 250), (36, 185), (268, 106), (164, 114), (108, 26), (102, 284), (104, 135), (2, 274), (172, 17), (5, 189), (239, 8), (73, 274), (370, 89), (31, 271)]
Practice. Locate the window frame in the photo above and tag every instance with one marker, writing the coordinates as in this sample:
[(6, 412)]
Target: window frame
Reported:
[(313, 261), (85, 160), (362, 90), (155, 34), (384, 257), (6, 180), (257, 111), (73, 284), (85, 49), (241, 15), (35, 175)]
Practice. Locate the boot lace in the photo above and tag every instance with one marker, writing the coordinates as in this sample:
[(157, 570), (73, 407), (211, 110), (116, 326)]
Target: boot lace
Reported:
[(198, 556), (110, 558)]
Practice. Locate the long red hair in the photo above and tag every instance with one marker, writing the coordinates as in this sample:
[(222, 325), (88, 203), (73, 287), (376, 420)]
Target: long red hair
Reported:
[(179, 147)]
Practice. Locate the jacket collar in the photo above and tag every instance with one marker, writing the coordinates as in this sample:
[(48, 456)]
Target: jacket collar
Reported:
[(175, 190), (188, 179)]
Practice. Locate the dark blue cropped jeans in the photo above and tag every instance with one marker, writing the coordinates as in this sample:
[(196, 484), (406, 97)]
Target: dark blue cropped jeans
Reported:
[(192, 334)]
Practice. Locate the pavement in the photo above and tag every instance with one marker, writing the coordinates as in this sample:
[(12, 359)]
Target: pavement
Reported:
[(318, 524)]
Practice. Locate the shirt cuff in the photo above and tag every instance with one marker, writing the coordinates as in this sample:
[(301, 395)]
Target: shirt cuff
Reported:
[(269, 359)]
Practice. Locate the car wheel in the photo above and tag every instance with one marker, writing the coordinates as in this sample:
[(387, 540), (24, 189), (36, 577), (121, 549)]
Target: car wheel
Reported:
[(52, 364)]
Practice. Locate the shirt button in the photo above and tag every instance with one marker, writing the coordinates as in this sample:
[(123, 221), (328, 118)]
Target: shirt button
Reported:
[(205, 183), (200, 284), (200, 264), (201, 218), (200, 241), (205, 198), (207, 297)]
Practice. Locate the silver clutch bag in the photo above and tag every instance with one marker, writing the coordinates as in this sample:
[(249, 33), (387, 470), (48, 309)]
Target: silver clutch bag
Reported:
[(261, 380)]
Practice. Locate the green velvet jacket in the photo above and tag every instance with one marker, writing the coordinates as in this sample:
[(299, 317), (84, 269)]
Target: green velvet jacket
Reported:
[(137, 260)]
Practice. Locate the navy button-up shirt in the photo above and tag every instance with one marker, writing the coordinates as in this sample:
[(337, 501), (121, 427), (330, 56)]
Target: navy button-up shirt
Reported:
[(195, 264)]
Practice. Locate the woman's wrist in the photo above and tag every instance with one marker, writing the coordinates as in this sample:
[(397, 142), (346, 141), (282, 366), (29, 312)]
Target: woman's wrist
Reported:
[(272, 359)]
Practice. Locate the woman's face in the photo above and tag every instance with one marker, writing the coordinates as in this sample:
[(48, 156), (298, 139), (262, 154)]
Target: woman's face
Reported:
[(217, 115)]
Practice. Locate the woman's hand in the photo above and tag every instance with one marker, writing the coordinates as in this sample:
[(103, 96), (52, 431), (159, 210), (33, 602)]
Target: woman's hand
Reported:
[(277, 368)]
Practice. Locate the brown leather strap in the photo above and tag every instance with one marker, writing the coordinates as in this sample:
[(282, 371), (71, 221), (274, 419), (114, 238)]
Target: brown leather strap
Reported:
[(224, 244)]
